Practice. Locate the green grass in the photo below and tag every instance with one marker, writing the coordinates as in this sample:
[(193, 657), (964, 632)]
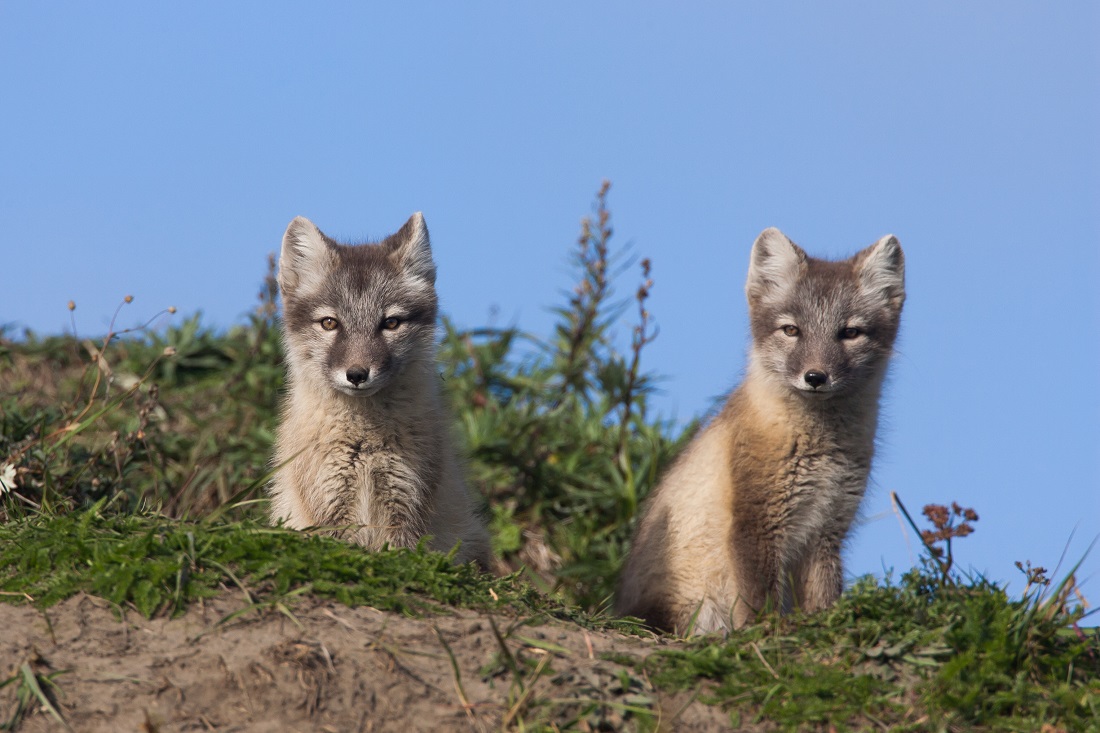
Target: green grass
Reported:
[(32, 690), (912, 655), (135, 463), (159, 566)]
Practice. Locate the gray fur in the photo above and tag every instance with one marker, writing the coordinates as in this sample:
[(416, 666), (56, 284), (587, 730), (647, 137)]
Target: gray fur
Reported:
[(364, 444)]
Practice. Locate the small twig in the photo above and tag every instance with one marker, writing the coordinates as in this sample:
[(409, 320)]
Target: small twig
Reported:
[(931, 550), (528, 690), (509, 660), (763, 661), (908, 546), (466, 704), (343, 622)]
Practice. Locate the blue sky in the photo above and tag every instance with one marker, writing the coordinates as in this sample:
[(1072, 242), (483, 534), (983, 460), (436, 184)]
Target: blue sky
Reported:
[(160, 150)]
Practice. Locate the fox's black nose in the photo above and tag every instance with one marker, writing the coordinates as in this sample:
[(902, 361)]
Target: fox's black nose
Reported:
[(358, 375), (813, 378)]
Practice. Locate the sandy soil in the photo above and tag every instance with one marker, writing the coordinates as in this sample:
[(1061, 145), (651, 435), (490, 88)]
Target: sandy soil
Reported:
[(330, 668)]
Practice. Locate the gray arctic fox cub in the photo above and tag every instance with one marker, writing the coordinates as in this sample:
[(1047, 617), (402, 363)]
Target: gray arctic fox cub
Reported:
[(364, 442), (754, 513)]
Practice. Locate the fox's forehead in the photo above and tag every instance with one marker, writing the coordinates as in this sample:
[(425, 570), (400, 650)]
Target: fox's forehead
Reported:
[(368, 291), (819, 301), (834, 295), (362, 258), (829, 275), (360, 289), (826, 309), (822, 287)]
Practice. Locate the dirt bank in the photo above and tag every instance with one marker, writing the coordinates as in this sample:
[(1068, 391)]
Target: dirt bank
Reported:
[(321, 666)]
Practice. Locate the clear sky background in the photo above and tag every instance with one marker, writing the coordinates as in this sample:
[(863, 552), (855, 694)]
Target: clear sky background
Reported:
[(160, 150)]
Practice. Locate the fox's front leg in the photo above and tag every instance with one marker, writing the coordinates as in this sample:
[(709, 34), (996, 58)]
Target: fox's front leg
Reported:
[(822, 578), (755, 570), (402, 508)]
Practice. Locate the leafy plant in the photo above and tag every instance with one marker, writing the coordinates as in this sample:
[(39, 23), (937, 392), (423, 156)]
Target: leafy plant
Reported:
[(560, 440)]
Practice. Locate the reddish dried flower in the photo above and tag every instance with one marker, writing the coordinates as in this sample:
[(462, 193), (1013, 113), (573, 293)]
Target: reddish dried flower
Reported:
[(937, 515)]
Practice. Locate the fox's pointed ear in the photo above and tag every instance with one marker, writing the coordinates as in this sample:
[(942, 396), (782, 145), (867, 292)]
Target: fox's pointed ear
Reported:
[(305, 257), (411, 250), (774, 265), (881, 269)]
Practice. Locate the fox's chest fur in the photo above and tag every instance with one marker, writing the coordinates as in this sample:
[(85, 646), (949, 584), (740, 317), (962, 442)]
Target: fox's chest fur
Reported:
[(798, 474), (360, 468), (379, 475), (764, 494)]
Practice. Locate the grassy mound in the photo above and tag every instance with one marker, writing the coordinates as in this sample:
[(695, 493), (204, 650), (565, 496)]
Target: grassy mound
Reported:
[(132, 467)]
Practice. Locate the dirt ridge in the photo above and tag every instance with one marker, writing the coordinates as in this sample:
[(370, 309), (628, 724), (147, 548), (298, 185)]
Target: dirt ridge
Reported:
[(322, 666)]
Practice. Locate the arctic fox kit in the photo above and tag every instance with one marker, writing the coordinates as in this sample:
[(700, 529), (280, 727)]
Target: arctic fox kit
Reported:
[(364, 442), (754, 513)]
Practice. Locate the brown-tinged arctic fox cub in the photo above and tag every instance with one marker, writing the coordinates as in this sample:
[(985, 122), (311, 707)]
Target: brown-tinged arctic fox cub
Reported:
[(754, 513), (364, 442)]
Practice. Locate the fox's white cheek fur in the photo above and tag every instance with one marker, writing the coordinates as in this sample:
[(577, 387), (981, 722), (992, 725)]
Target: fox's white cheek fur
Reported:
[(303, 364)]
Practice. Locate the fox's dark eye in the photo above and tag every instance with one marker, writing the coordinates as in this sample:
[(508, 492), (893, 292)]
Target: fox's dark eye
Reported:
[(850, 333), (329, 324), (791, 330), (391, 323)]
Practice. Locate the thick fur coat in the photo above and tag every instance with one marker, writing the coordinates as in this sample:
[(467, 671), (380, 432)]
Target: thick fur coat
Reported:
[(364, 446), (754, 513)]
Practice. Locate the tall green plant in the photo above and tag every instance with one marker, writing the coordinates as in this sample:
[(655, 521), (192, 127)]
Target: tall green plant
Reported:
[(557, 429)]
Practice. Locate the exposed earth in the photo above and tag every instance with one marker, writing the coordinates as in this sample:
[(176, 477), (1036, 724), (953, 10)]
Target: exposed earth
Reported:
[(321, 666)]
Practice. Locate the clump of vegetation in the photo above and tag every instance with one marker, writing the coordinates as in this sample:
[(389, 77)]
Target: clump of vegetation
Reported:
[(159, 565), (33, 690), (938, 650), (140, 416), (560, 439)]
